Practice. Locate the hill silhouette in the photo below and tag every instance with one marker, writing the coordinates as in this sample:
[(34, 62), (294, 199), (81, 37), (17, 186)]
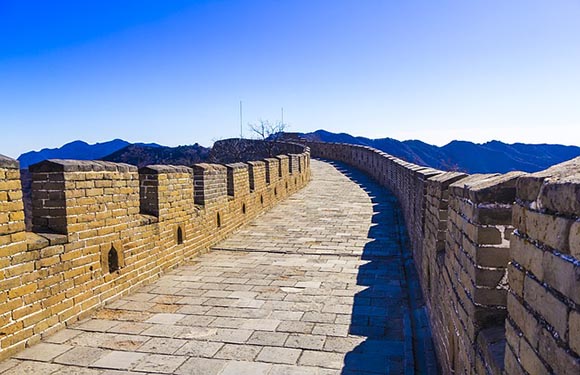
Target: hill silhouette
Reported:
[(489, 157), (78, 150)]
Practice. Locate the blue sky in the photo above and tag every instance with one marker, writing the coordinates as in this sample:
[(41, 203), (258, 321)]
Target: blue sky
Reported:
[(173, 72)]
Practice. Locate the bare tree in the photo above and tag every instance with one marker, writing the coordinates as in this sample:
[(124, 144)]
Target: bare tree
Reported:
[(239, 149), (268, 131)]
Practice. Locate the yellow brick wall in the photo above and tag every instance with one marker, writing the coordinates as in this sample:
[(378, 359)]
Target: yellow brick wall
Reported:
[(84, 210)]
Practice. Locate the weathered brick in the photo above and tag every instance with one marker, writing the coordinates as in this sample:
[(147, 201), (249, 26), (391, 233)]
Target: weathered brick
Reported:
[(528, 256), (554, 311), (574, 239), (516, 278), (559, 359), (530, 360), (562, 274), (524, 320), (550, 230), (574, 327)]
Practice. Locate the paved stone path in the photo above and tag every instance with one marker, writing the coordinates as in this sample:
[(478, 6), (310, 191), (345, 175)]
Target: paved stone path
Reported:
[(318, 285)]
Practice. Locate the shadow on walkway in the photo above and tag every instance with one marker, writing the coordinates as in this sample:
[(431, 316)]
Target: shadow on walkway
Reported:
[(390, 311)]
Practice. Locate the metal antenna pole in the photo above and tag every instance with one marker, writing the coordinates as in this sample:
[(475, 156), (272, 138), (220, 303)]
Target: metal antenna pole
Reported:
[(241, 127)]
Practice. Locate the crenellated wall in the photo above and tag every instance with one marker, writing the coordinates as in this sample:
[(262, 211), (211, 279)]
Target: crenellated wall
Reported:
[(102, 229), (544, 275), (476, 257), (498, 300)]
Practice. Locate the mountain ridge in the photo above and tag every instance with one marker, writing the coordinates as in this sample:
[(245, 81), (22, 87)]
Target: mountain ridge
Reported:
[(489, 157), (77, 149)]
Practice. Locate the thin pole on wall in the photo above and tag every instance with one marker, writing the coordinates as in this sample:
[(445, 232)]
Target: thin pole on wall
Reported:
[(241, 128)]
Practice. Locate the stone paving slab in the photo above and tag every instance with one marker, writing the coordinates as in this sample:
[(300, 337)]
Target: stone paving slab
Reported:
[(315, 286)]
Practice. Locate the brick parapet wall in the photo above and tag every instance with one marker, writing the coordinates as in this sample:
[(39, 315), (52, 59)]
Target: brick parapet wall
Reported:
[(284, 166), (435, 275), (476, 258), (11, 206), (166, 190), (257, 175), (210, 184), (272, 169), (543, 328), (82, 198), (147, 219), (238, 180), (293, 163), (481, 282)]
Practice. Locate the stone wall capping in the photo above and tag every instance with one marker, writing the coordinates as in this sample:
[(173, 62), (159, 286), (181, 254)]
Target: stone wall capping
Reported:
[(157, 169), (447, 178), (35, 242), (65, 165), (561, 195), (492, 187), (208, 167), (6, 162), (256, 162), (427, 173), (54, 238), (236, 165), (529, 186), (418, 168), (501, 189), (145, 219)]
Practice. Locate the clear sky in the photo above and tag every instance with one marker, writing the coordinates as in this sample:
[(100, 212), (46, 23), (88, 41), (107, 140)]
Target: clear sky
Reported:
[(173, 72)]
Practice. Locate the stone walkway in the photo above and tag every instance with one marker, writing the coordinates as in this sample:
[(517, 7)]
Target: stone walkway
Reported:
[(321, 284)]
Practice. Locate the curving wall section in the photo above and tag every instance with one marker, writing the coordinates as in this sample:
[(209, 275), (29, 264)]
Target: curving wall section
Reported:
[(102, 229), (498, 256)]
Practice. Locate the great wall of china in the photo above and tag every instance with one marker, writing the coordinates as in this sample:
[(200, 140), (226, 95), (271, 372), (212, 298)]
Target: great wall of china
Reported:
[(497, 255), (497, 301), (101, 230)]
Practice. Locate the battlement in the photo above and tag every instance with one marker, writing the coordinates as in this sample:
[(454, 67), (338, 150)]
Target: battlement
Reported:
[(102, 229), (498, 256)]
